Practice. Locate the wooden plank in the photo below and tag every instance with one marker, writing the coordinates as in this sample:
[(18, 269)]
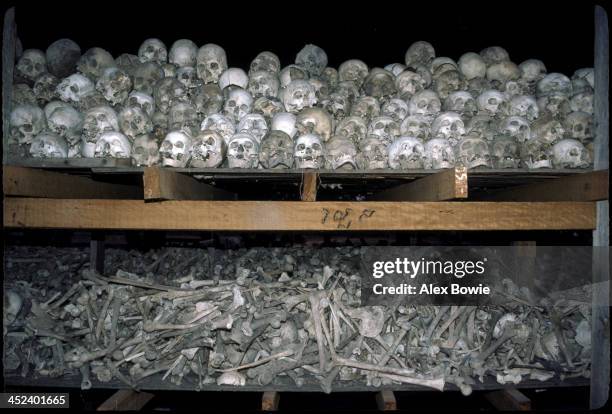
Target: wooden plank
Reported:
[(509, 399), (126, 400), (9, 33), (308, 186), (72, 163), (448, 184), (30, 182), (164, 184), (589, 186), (385, 400), (600, 330), (270, 401), (296, 215)]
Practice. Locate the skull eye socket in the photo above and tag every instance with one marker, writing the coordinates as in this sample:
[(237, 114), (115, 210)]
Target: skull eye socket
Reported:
[(492, 101), (244, 107), (297, 95), (248, 144), (153, 151), (379, 125), (214, 65), (179, 144), (514, 123), (578, 128), (422, 104), (316, 146), (210, 141), (301, 147), (234, 145), (231, 104), (139, 150)]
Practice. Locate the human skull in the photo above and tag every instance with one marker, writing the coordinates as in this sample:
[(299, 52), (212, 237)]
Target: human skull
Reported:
[(532, 71), (461, 102), (143, 101), (113, 144), (536, 154), (285, 122), (448, 125), (547, 129), (291, 73), (97, 121), (395, 68), (492, 103), (242, 151), (127, 63), (266, 61), (418, 126), (556, 104), (309, 152), (263, 83), (353, 127), (188, 77), (145, 151), (233, 77), (442, 64), (321, 88), (133, 121), (330, 76), (268, 107), (524, 106), (513, 88), (582, 101), (503, 71), (53, 105), (146, 77), (312, 58), (439, 153), (579, 125), (473, 151), (208, 150), (114, 84), (297, 95), (62, 57), (67, 122), (581, 85), (276, 150), (425, 103), (315, 121), (419, 53), (74, 88), (554, 83), (169, 91), (175, 149), (366, 107), (494, 54), (22, 95), (160, 125), (373, 153), (183, 117), (408, 83), (183, 52), (45, 88), (208, 100), (211, 62), (516, 127), (49, 145), (220, 124), (338, 104), (472, 65), (31, 65), (94, 61), (483, 126), (169, 70), (238, 103), (449, 82), (406, 153), (384, 127), (396, 109), (26, 121), (353, 70), (153, 50), (505, 152), (341, 153), (254, 125), (570, 153), (379, 83)]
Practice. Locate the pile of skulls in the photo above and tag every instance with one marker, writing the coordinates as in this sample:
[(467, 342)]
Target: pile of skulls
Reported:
[(185, 107), (273, 316)]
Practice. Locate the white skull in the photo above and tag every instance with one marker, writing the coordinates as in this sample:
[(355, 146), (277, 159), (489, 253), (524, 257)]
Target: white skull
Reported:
[(331, 76), (396, 109), (536, 154), (167, 92), (238, 103), (395, 68), (266, 61), (309, 152), (153, 50), (505, 152), (379, 83), (233, 76), (524, 106), (315, 121), (408, 83), (208, 150), (254, 125), (49, 145), (473, 151), (183, 52), (211, 62), (582, 101), (492, 103), (352, 127), (297, 95), (94, 61), (208, 100), (187, 76), (312, 58), (114, 84), (483, 126), (366, 107), (145, 151), (503, 71), (220, 124), (442, 64), (579, 125), (276, 150), (26, 121), (513, 88), (133, 121), (516, 127), (291, 73), (62, 57), (586, 74), (439, 153), (425, 103), (263, 83), (406, 153), (67, 122), (418, 126), (44, 88), (532, 70), (338, 104), (461, 102), (268, 107), (384, 127), (547, 130), (556, 104), (353, 70), (419, 53), (449, 82), (285, 122), (169, 70), (494, 54), (341, 153), (554, 83), (570, 153), (175, 149), (98, 120), (146, 77), (448, 125), (321, 88), (183, 116), (373, 153), (471, 66), (74, 88), (242, 151), (113, 144), (31, 64), (143, 101)]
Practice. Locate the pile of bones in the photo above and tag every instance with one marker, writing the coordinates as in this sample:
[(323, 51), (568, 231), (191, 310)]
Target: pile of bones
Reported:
[(268, 316), (184, 107)]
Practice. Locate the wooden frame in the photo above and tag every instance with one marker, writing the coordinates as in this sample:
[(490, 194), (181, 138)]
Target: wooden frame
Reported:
[(445, 185)]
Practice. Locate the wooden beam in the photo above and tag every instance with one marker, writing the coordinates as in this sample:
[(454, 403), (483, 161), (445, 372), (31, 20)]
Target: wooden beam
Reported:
[(509, 399), (296, 215), (30, 182), (165, 184), (96, 253), (308, 186), (270, 401), (385, 400), (9, 34), (126, 400), (448, 184), (588, 186)]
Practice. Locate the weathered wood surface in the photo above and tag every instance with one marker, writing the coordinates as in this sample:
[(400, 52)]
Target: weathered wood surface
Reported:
[(126, 400), (165, 184), (509, 399), (445, 185), (270, 401), (385, 400), (308, 186)]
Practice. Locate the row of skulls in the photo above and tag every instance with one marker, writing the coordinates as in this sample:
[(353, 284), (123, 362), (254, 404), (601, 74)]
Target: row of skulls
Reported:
[(186, 108)]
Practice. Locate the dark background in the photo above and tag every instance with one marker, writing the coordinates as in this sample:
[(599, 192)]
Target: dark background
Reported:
[(378, 32)]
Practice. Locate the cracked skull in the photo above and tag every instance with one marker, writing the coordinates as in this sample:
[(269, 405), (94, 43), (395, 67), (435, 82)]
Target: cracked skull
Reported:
[(406, 153), (153, 50), (315, 121), (384, 127), (26, 121), (516, 127), (570, 153), (97, 121), (94, 61), (473, 151), (115, 85), (297, 95), (67, 122), (312, 58), (133, 121), (145, 151), (49, 145), (146, 77), (211, 62), (266, 61), (416, 126), (74, 88), (492, 103), (276, 150), (425, 103), (352, 127), (167, 92), (238, 103), (183, 117), (143, 101), (439, 153), (505, 152), (221, 124), (263, 83), (208, 100), (208, 150), (243, 151), (341, 153), (309, 152), (579, 125), (254, 125), (175, 149), (396, 109), (448, 125), (373, 153), (113, 144)]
